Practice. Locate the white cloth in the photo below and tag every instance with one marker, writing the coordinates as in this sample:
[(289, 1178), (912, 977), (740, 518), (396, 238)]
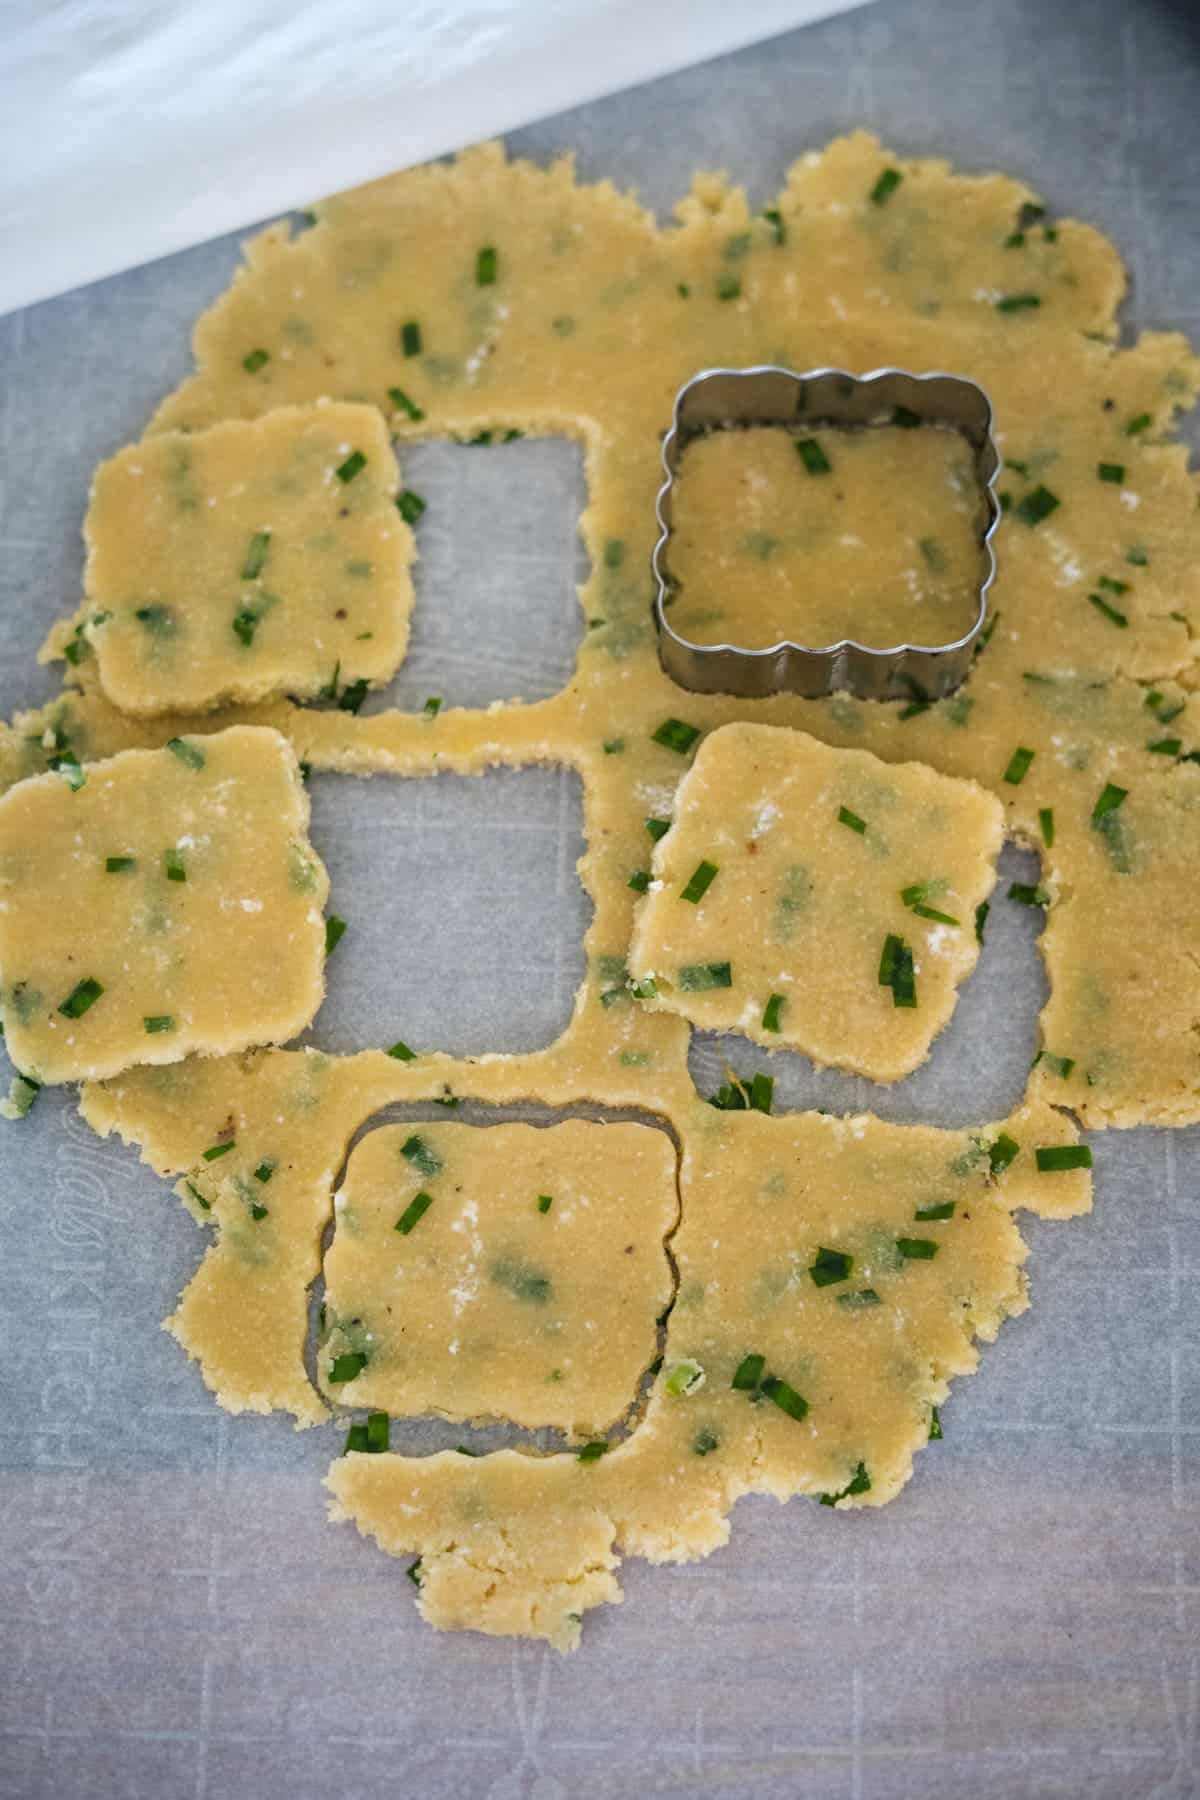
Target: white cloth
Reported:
[(131, 128)]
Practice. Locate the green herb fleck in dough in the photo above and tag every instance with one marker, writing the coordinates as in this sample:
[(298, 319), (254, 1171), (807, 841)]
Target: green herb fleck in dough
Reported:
[(256, 555), (354, 464), (189, 754), (701, 880), (335, 931), (698, 978), (830, 1266), (410, 338), (1035, 506), (423, 1157), (415, 1211), (859, 1483), (675, 734), (254, 360), (1058, 1157), (785, 1397), (487, 265), (885, 186), (917, 1249), (83, 995), (813, 457)]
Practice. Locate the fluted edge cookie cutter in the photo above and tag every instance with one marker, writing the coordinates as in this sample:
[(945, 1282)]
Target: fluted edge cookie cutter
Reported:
[(771, 395)]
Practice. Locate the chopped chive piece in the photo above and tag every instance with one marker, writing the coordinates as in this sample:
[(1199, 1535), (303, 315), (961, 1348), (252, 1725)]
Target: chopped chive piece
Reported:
[(748, 1373), (915, 899), (402, 403), (1011, 303), (254, 360), (486, 265), (644, 990), (1026, 895), (944, 1210), (85, 993), (1056, 1157), (1139, 423), (465, 1450), (863, 1297), (774, 219), (1057, 1065), (813, 457), (905, 418), (640, 880), (1018, 765), (830, 1266), (401, 1051), (1166, 746), (705, 1442), (545, 1202), (256, 555), (158, 619), (846, 817), (335, 931), (258, 1210), (657, 828), (1036, 505), (352, 695), (356, 1439), (432, 706), (378, 1426), (886, 184), (346, 1366), (981, 913), (913, 709), (1114, 472), (785, 1396), (1046, 821), (684, 1378), (702, 879), (772, 1012), (677, 735), (354, 464), (70, 770), (410, 338), (245, 623), (762, 1089), (1137, 556), (1108, 802), (157, 1022), (896, 971), (422, 1156), (917, 1249), (614, 552), (614, 746), (935, 1426), (216, 1151), (593, 1452), (859, 1483), (265, 1170), (1001, 1152), (1111, 586), (728, 286), (1018, 468), (414, 1212), (413, 1572), (1110, 612), (198, 1197), (119, 865), (189, 754), (697, 978), (1015, 240), (410, 505)]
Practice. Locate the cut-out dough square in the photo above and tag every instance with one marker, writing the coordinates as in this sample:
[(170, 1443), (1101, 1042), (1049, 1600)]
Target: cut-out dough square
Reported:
[(813, 537), (257, 558), (839, 914), (170, 903), (499, 1271)]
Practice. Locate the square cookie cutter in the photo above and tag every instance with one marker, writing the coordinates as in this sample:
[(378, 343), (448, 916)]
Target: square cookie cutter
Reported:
[(718, 399)]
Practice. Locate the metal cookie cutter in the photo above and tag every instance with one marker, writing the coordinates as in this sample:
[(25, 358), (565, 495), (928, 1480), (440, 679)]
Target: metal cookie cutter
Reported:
[(769, 395)]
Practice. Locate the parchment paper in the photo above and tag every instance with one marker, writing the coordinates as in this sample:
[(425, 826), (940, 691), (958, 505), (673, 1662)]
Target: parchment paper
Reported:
[(177, 1621)]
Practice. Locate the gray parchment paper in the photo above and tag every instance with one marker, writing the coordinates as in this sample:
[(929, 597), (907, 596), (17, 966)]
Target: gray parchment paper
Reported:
[(177, 1620)]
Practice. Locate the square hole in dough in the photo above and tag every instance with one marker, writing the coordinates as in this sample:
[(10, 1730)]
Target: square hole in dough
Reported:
[(505, 1271), (159, 903), (465, 915), (256, 558), (816, 899), (498, 561)]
